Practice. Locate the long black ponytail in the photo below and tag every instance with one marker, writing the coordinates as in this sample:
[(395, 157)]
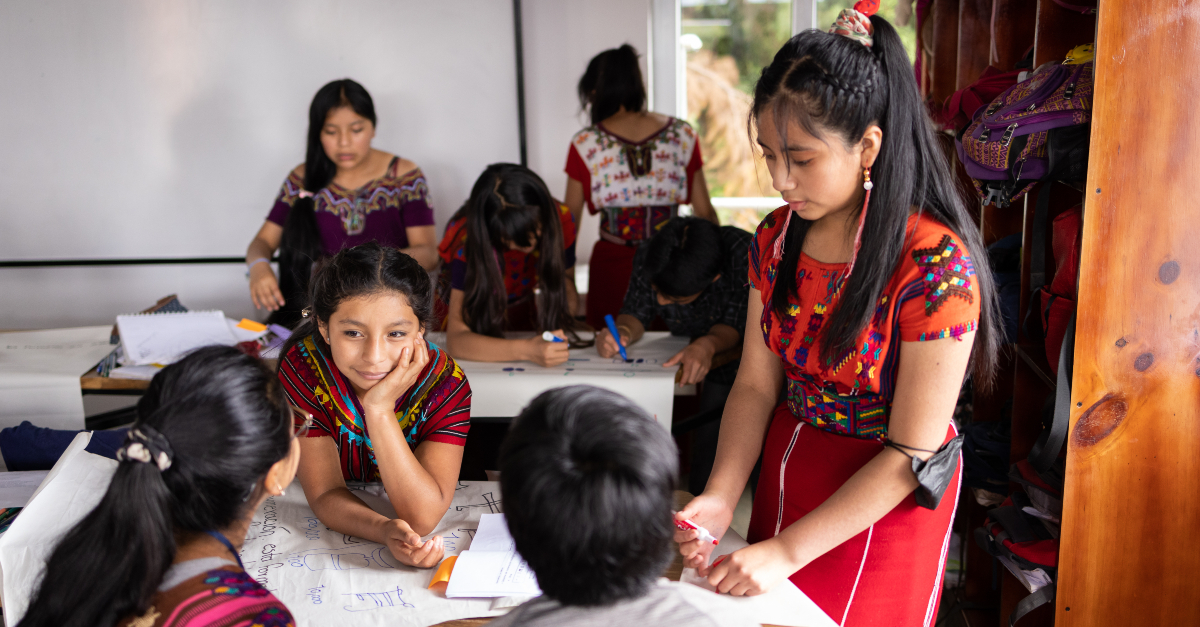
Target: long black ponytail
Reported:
[(612, 80), (508, 204), (831, 83), (227, 422), (300, 247)]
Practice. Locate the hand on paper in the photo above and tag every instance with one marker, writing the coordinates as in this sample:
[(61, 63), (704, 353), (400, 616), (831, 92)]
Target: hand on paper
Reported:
[(606, 346), (545, 353), (709, 512), (382, 397), (406, 545), (695, 360), (752, 570), (264, 288)]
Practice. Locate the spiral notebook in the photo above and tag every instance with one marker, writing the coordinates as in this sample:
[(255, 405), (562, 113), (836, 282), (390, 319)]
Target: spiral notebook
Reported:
[(164, 338)]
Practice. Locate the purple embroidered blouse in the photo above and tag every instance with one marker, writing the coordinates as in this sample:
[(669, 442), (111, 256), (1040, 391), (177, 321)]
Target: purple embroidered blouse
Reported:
[(379, 210)]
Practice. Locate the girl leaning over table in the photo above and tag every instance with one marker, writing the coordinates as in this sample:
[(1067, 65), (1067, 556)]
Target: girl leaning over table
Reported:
[(632, 166), (509, 265), (212, 440), (386, 405), (865, 308), (345, 193)]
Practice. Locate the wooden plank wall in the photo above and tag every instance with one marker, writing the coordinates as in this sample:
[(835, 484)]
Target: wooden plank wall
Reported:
[(1130, 547)]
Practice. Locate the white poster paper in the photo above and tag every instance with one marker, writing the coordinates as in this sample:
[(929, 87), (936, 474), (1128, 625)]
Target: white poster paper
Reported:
[(785, 605), (39, 374)]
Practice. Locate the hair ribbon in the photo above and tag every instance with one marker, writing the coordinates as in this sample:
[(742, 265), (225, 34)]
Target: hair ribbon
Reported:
[(856, 23), (146, 445)]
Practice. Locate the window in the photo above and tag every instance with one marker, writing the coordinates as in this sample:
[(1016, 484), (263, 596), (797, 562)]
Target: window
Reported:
[(727, 44)]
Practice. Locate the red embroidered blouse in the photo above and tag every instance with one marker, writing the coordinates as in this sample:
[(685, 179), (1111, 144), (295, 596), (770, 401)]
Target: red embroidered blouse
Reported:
[(932, 295), (520, 269)]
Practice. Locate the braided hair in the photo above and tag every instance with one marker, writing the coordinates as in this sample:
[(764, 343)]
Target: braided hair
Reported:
[(832, 85)]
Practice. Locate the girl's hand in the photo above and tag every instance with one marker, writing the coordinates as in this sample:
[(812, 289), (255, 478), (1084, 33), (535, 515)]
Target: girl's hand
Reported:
[(382, 397), (406, 545), (752, 570), (606, 346), (710, 512), (695, 360), (545, 353), (264, 288)]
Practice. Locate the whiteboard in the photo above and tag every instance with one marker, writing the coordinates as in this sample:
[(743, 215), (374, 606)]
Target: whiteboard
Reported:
[(148, 128)]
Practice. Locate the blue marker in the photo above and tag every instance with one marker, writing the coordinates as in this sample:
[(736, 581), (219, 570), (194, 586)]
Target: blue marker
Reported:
[(550, 337), (612, 328)]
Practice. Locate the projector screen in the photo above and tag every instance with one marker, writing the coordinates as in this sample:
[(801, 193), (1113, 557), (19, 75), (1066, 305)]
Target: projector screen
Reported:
[(164, 128)]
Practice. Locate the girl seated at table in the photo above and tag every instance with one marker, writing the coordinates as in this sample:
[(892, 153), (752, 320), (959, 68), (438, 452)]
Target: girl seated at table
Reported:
[(386, 405), (509, 265), (213, 439), (345, 193)]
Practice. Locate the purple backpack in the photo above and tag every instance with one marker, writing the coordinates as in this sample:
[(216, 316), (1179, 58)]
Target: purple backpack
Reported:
[(1036, 130)]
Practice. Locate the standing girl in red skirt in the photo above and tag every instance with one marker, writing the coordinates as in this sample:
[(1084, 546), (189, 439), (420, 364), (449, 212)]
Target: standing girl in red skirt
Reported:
[(865, 311)]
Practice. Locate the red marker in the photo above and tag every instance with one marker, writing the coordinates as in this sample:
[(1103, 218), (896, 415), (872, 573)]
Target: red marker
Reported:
[(705, 536)]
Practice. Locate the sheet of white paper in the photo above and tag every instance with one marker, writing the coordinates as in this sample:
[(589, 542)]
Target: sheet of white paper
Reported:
[(329, 578), (503, 389), (785, 605), (243, 335), (164, 338), (72, 489), (39, 374), (491, 574), (493, 534), (16, 488), (141, 373)]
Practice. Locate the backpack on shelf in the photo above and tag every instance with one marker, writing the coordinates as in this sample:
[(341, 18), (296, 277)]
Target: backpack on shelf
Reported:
[(1031, 132)]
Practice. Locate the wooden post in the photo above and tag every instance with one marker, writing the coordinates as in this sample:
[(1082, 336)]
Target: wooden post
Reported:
[(1130, 547), (944, 70), (974, 40)]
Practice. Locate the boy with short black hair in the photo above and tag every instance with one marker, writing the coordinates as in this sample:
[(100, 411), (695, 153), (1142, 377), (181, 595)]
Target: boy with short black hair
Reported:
[(588, 486), (692, 274)]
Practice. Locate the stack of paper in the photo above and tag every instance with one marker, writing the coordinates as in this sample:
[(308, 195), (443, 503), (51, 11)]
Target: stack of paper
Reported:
[(164, 338), (492, 567)]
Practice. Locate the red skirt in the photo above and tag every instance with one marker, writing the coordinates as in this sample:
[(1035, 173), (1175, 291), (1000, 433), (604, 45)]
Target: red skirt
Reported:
[(890, 574), (608, 278)]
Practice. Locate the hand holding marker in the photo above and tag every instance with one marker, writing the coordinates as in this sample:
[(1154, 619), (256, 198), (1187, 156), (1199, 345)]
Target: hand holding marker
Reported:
[(612, 328), (705, 536)]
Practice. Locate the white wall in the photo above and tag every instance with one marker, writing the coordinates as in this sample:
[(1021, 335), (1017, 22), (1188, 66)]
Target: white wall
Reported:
[(561, 36), (138, 128), (163, 128)]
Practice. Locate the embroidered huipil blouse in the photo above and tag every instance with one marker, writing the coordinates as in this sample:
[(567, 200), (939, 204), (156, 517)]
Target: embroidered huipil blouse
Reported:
[(379, 211), (635, 186), (437, 408), (225, 596), (931, 295), (520, 269)]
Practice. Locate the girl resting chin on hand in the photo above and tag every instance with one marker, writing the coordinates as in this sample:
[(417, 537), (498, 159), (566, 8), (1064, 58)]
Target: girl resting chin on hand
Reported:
[(386, 405)]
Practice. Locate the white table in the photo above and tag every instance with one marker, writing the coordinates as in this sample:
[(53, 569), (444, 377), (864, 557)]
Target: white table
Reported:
[(503, 389), (323, 577)]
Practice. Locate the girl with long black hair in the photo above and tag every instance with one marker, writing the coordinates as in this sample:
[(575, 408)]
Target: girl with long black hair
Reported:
[(213, 439), (632, 166), (387, 406), (508, 265), (866, 308), (344, 194)]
